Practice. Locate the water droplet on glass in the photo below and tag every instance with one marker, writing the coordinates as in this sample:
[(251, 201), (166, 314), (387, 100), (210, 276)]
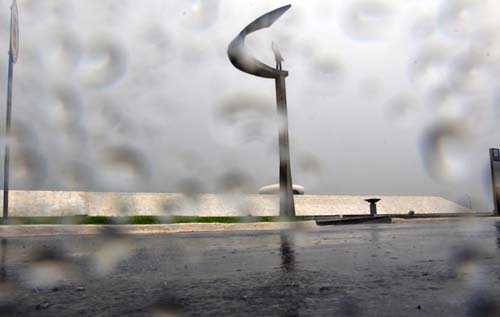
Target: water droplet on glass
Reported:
[(430, 67), (48, 267), (328, 73), (444, 151), (64, 51), (201, 14), (104, 63), (244, 118), (368, 20), (459, 18), (191, 188), (29, 167), (309, 172), (235, 186), (402, 111), (114, 248), (122, 167)]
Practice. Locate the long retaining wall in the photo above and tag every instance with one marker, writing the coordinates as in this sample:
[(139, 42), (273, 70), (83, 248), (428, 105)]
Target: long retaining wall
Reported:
[(62, 203)]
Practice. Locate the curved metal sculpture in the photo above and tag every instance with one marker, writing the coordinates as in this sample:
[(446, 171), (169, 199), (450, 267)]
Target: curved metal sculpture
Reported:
[(245, 62)]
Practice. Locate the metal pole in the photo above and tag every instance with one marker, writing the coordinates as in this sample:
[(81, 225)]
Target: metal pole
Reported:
[(7, 137), (494, 158), (287, 203)]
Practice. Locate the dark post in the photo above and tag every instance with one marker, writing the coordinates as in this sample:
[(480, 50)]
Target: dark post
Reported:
[(246, 63), (373, 205), (494, 162)]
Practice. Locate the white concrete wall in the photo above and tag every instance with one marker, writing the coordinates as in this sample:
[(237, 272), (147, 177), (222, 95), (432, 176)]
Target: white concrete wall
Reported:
[(57, 203)]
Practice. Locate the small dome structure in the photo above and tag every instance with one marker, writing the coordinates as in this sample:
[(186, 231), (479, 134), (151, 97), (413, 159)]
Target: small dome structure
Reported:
[(275, 188)]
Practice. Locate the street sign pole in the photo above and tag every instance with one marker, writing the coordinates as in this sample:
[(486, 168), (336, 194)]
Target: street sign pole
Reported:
[(7, 136), (13, 54)]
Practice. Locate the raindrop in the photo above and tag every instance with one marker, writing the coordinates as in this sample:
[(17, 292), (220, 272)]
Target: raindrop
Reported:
[(445, 102), (235, 187), (64, 51), (23, 133), (368, 20), (201, 14), (479, 109), (444, 149), (124, 166), (157, 47), (328, 73), (402, 111), (309, 171), (467, 254), (234, 181), (459, 18), (114, 247), (67, 110), (244, 118), (78, 175), (191, 189), (104, 63), (29, 167), (429, 68), (48, 268), (470, 72)]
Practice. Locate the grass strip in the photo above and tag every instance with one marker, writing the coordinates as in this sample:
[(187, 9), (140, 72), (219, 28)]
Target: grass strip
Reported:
[(139, 220)]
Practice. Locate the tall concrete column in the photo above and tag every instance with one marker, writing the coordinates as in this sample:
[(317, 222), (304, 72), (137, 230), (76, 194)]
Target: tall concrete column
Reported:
[(287, 203)]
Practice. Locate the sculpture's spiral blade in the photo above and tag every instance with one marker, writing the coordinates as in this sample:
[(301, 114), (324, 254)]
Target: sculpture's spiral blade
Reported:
[(266, 20), (246, 62)]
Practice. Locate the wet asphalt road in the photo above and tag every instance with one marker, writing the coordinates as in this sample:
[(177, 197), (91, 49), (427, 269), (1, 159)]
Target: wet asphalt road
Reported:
[(418, 269)]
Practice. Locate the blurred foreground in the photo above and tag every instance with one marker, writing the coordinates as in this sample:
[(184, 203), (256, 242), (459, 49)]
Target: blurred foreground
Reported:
[(406, 269)]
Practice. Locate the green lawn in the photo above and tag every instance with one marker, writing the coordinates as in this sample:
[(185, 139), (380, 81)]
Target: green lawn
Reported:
[(140, 220)]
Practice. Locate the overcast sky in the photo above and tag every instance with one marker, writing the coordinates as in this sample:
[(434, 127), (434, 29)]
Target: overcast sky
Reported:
[(384, 97)]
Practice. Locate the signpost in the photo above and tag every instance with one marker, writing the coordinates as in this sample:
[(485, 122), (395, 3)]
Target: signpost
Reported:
[(13, 55), (248, 64)]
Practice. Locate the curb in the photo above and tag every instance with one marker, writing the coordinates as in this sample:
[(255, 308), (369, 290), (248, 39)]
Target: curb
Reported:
[(443, 219)]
